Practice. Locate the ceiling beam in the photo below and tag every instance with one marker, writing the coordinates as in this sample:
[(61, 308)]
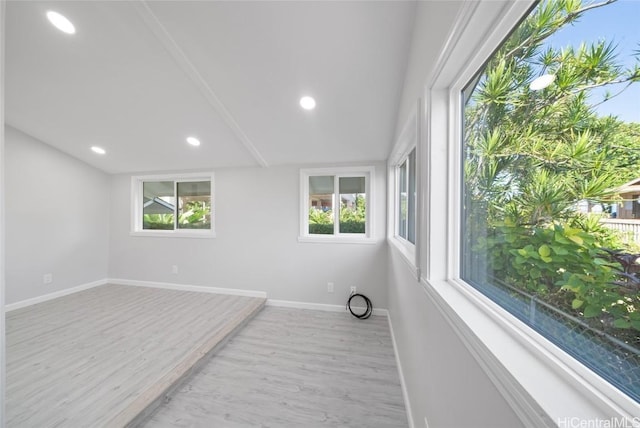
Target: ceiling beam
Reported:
[(161, 33)]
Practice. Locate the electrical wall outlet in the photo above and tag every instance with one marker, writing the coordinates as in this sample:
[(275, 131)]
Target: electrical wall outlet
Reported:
[(329, 287), (47, 278), (174, 269), (353, 290)]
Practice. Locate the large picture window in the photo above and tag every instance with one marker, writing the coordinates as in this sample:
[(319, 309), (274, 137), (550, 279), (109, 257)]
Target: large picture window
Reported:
[(336, 203), (173, 205), (544, 168)]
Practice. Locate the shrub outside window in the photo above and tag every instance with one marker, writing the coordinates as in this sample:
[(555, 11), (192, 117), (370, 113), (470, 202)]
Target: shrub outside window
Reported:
[(537, 156), (335, 203), (173, 205)]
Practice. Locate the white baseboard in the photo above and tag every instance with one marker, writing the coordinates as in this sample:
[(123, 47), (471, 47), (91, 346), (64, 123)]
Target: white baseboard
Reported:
[(403, 384), (54, 295), (320, 306), (187, 287)]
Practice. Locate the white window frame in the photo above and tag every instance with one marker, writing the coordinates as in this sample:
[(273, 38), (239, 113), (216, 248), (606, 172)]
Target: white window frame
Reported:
[(410, 139), (542, 384), (397, 194), (137, 182), (368, 172)]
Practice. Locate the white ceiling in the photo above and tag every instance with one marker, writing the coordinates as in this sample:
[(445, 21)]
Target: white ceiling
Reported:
[(138, 77)]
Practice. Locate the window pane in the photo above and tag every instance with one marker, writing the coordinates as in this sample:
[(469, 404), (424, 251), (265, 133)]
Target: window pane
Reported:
[(321, 192), (538, 154), (353, 203), (411, 215), (158, 205), (403, 205), (194, 205), (406, 176)]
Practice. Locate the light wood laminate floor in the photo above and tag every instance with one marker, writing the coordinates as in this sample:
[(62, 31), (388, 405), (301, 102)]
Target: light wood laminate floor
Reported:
[(96, 358), (294, 368)]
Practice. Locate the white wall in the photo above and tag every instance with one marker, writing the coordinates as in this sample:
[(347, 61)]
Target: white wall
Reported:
[(443, 380), (256, 247), (432, 24), (57, 219), (2, 224)]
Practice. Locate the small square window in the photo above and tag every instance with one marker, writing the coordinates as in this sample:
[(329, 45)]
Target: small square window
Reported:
[(336, 203), (173, 205)]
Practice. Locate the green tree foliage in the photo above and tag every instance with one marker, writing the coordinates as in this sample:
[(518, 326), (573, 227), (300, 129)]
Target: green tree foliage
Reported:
[(158, 221), (196, 215), (352, 219), (531, 156)]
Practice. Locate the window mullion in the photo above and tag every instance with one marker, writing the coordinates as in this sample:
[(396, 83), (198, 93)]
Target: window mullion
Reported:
[(408, 190), (398, 199), (175, 205), (336, 205), (411, 188), (398, 202), (139, 204)]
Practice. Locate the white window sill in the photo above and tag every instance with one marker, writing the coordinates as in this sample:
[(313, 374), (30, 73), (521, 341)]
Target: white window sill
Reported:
[(174, 234), (542, 384), (331, 239)]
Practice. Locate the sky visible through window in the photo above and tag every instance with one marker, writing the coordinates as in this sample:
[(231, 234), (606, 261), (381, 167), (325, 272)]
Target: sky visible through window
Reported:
[(618, 22)]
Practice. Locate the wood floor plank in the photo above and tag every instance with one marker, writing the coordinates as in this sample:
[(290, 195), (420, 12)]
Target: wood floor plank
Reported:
[(93, 358), (295, 368)]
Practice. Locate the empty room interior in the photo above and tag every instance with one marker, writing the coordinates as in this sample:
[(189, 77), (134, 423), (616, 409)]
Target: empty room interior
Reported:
[(284, 213)]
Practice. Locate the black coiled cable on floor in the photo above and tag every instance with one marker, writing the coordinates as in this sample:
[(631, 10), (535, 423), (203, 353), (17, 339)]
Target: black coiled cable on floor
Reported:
[(368, 310)]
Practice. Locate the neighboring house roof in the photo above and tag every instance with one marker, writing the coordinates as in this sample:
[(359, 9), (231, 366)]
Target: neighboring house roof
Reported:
[(632, 186), (157, 206), (630, 189)]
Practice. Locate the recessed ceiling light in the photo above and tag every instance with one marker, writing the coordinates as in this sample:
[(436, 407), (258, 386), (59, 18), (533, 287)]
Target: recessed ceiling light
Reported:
[(542, 82), (61, 22), (307, 103), (98, 150), (193, 141)]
